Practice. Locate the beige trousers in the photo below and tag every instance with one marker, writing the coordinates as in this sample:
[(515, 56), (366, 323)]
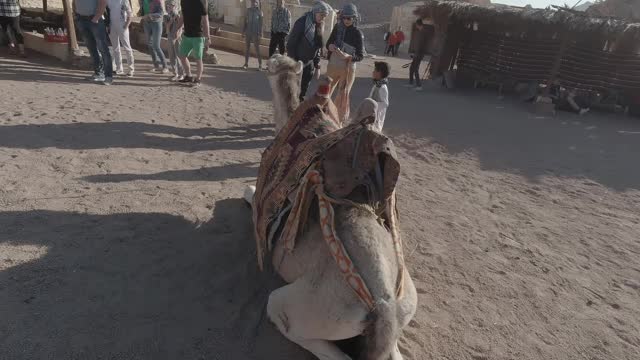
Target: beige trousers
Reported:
[(343, 78)]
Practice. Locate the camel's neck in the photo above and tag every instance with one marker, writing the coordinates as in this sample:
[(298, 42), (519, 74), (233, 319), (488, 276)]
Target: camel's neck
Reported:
[(285, 98)]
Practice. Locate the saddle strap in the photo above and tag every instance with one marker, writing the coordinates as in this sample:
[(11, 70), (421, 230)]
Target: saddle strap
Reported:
[(313, 183), (336, 246)]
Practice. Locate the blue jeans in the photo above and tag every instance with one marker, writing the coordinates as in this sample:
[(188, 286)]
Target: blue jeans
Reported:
[(153, 32), (95, 37)]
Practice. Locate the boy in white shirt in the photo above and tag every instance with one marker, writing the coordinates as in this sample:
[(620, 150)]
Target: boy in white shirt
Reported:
[(121, 15), (380, 92)]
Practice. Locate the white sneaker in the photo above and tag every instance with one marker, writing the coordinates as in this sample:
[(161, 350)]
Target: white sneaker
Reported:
[(119, 72), (418, 88), (130, 74), (177, 78), (154, 70), (165, 71), (97, 78)]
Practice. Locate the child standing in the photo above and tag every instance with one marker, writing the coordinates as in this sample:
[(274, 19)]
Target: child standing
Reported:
[(253, 32), (120, 17), (174, 32), (380, 93)]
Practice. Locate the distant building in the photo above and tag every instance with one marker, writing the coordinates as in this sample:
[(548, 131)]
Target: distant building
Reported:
[(623, 9), (403, 15), (584, 6)]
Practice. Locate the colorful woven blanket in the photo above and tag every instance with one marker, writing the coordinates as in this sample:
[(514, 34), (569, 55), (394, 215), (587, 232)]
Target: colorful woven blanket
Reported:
[(344, 158)]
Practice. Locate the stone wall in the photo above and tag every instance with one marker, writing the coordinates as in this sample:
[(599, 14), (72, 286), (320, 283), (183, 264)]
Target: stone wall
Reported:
[(402, 16), (234, 11)]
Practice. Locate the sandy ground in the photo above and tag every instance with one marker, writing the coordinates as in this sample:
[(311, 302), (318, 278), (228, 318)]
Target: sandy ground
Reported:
[(123, 236)]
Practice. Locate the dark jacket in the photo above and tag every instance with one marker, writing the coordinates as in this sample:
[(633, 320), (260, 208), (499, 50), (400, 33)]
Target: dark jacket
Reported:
[(299, 49), (354, 37), (421, 40)]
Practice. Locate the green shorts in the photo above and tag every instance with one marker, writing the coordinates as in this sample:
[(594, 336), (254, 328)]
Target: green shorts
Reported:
[(192, 46)]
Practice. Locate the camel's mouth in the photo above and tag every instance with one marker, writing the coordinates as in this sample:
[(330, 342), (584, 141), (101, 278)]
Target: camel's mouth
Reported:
[(274, 64)]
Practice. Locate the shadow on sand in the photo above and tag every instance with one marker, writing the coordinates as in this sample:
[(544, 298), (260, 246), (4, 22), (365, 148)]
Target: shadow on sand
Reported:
[(132, 135), (505, 136), (135, 286), (214, 173), (502, 134), (38, 68)]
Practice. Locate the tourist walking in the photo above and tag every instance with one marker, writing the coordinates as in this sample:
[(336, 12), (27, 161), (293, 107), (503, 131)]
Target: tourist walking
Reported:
[(174, 30), (417, 49), (391, 44), (120, 16), (10, 20), (195, 39), (152, 16), (91, 23), (386, 41), (252, 32), (305, 42), (400, 38), (280, 27), (346, 48)]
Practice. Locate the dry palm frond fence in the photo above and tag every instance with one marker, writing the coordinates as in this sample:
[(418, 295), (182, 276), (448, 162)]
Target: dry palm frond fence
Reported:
[(505, 45)]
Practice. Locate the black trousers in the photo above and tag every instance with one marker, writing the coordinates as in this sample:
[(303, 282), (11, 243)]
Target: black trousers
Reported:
[(414, 70), (390, 50), (12, 23), (277, 42), (307, 75)]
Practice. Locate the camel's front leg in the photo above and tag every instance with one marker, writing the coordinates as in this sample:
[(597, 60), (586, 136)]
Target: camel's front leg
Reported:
[(298, 325), (396, 355), (248, 194)]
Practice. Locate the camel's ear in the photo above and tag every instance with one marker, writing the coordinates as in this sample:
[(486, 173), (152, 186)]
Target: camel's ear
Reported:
[(299, 68)]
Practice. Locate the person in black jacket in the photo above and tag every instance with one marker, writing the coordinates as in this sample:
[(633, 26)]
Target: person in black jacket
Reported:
[(305, 43), (346, 48), (421, 36)]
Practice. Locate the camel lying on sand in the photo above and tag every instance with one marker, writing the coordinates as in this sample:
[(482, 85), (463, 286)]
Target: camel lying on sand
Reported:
[(319, 306)]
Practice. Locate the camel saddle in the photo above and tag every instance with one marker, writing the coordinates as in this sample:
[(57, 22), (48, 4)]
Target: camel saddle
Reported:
[(345, 158)]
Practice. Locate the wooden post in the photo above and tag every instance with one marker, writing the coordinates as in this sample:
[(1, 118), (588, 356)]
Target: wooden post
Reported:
[(71, 26), (44, 6)]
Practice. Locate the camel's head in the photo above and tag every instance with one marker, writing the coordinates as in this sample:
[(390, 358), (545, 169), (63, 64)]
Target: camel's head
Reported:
[(285, 75), (280, 64)]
